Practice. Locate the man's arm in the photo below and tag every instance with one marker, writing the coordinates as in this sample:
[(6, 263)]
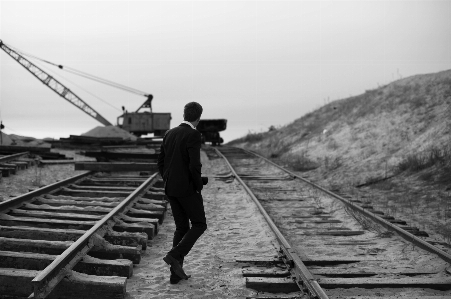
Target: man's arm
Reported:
[(195, 167), (160, 161)]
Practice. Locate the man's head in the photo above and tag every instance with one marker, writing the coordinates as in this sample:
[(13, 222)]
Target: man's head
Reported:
[(192, 112)]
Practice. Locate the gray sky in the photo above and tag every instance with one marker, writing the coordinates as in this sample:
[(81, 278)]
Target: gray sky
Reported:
[(255, 63)]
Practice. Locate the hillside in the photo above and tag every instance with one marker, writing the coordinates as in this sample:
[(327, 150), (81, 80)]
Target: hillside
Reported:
[(400, 131)]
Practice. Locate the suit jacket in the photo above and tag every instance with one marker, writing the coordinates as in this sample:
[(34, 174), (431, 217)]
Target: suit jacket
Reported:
[(179, 161)]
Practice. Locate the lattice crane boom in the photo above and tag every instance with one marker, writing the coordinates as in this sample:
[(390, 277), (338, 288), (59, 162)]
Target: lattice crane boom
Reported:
[(54, 85)]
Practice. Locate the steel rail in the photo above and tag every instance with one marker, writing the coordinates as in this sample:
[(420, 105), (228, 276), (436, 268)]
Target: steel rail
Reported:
[(302, 273), (48, 278), (12, 157), (404, 234), (19, 200)]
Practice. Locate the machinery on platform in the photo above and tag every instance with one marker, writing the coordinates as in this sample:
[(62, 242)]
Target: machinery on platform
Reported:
[(141, 123), (137, 123), (210, 128)]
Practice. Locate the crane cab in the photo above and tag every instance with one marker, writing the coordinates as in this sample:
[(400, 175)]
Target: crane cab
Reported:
[(143, 123)]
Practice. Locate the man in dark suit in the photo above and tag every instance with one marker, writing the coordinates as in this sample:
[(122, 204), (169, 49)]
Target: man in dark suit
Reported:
[(180, 167)]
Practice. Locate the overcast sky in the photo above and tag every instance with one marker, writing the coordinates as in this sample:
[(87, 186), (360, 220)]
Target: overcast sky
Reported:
[(255, 63)]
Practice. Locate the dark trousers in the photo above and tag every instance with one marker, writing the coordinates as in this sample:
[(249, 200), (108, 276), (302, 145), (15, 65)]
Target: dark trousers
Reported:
[(186, 210)]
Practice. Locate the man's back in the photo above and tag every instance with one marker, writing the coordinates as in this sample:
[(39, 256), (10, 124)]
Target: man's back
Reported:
[(179, 161)]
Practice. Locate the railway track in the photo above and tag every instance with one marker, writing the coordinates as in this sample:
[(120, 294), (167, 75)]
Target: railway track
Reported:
[(78, 238), (332, 246)]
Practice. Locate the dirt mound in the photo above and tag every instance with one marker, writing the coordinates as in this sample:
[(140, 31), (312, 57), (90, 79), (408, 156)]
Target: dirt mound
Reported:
[(23, 141), (6, 140), (110, 131), (21, 138), (364, 137)]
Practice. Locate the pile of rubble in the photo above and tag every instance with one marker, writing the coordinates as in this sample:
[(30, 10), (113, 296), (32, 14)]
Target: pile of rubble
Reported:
[(97, 137), (110, 131)]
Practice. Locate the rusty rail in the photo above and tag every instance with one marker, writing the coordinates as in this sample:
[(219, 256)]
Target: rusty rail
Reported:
[(12, 157), (303, 276)]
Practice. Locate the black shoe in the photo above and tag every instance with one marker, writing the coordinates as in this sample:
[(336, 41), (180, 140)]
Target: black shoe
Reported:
[(174, 278), (175, 264)]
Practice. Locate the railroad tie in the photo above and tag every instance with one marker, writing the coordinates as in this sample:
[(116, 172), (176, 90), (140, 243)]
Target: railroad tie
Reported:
[(105, 250), (436, 283), (12, 168), (17, 282), (55, 234), (88, 265), (120, 226)]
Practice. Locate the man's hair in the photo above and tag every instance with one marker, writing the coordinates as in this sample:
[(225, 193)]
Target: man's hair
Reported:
[(192, 111)]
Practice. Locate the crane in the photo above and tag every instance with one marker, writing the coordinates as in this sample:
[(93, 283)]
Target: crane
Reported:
[(138, 123), (54, 85)]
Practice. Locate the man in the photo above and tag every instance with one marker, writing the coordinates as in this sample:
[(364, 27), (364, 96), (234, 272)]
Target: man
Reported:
[(179, 166)]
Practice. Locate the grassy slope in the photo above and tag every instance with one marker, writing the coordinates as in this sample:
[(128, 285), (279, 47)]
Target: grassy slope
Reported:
[(363, 139)]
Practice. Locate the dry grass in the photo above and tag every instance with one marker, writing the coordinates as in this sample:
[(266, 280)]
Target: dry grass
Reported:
[(435, 155)]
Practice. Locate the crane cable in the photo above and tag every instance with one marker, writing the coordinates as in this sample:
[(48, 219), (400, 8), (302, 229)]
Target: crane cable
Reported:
[(86, 75), (49, 71), (104, 81)]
